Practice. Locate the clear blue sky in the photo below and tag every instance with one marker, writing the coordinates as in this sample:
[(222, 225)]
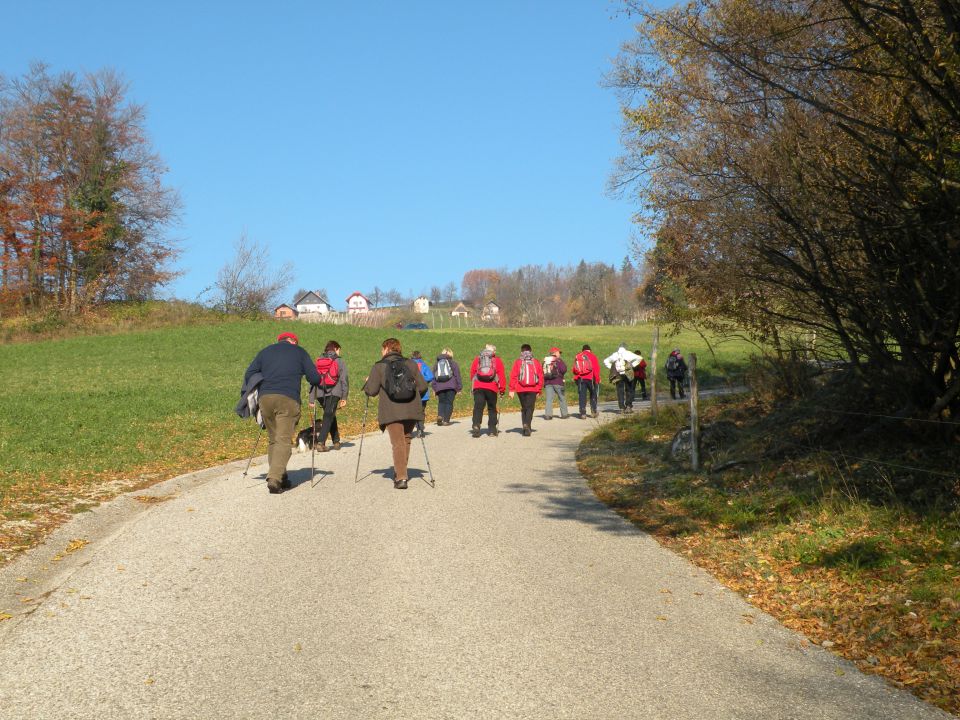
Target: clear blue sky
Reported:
[(377, 143)]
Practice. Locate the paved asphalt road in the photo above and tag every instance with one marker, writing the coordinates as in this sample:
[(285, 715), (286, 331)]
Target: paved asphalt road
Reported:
[(507, 591)]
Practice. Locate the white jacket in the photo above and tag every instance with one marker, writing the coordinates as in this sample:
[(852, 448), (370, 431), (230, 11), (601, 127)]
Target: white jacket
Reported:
[(621, 359)]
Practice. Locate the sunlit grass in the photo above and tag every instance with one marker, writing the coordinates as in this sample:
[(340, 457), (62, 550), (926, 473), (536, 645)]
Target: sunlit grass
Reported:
[(81, 414)]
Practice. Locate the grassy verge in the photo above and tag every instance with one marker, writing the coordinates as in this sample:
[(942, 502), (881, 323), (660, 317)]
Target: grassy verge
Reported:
[(107, 319), (86, 417), (847, 552)]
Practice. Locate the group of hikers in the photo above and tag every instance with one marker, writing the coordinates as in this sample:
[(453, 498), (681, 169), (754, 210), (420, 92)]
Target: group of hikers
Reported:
[(271, 391)]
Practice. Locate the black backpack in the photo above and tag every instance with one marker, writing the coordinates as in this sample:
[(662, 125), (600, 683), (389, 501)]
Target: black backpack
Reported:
[(399, 381)]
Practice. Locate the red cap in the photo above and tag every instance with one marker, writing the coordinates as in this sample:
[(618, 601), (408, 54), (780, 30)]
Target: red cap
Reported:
[(554, 351), (283, 336)]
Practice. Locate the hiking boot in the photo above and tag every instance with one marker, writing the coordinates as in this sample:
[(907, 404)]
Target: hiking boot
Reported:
[(526, 431), (400, 484), (494, 432), (548, 417), (285, 482), (593, 414), (337, 445), (564, 417), (274, 486), (475, 431)]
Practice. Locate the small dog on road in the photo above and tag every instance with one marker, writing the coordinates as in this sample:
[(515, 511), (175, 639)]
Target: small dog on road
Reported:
[(305, 439)]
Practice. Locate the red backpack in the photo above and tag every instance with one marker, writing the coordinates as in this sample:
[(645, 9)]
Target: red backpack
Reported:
[(582, 365), (527, 376), (486, 370), (329, 370)]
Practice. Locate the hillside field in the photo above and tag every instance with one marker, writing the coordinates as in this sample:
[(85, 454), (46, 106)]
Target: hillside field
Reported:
[(84, 418)]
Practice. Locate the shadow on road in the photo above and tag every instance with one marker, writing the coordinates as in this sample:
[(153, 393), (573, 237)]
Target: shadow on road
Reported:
[(566, 496)]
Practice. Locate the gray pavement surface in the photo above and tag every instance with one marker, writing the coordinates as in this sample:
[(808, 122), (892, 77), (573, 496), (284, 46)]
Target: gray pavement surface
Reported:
[(506, 591)]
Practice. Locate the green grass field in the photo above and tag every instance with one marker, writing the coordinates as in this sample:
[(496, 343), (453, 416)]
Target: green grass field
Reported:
[(85, 417)]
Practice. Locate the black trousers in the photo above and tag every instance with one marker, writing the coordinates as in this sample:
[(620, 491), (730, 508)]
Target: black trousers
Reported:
[(445, 404), (624, 393), (328, 425), (528, 401), (584, 388), (643, 388), (485, 399), (676, 384), (420, 423)]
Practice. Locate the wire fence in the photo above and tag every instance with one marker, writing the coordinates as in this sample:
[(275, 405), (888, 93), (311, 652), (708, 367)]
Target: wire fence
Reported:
[(888, 417), (845, 456), (873, 461)]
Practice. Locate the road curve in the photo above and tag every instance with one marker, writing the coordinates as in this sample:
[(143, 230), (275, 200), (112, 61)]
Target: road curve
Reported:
[(505, 591)]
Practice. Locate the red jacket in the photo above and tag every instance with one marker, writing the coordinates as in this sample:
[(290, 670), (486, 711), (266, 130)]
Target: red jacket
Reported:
[(640, 371), (515, 385), (595, 362), (499, 383)]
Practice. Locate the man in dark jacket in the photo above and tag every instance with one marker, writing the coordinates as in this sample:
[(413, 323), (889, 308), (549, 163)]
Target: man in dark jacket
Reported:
[(397, 417), (676, 368), (282, 365)]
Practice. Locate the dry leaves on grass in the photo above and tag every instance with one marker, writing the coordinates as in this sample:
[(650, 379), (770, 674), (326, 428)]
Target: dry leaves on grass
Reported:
[(866, 615)]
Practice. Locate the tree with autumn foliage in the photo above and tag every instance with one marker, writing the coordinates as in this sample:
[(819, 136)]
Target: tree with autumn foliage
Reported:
[(798, 165), (83, 211)]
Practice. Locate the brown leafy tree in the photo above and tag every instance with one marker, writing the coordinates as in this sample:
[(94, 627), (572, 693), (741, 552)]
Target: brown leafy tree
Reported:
[(83, 212), (798, 163), (479, 286)]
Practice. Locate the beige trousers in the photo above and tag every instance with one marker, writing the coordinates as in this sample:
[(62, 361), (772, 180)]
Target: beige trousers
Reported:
[(281, 415)]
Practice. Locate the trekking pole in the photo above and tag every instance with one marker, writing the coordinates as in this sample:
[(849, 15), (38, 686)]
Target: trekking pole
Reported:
[(363, 426), (433, 483), (313, 445), (254, 451)]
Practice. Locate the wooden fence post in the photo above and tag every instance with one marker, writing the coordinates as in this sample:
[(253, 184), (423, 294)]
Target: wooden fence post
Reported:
[(694, 415), (653, 375)]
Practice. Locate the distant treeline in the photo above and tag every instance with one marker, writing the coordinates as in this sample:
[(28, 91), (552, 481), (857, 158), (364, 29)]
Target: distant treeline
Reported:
[(538, 295)]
